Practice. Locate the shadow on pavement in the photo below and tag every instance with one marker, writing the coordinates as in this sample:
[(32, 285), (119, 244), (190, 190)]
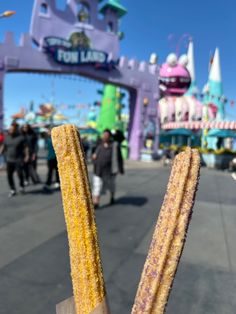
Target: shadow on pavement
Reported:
[(127, 200), (132, 200), (42, 191)]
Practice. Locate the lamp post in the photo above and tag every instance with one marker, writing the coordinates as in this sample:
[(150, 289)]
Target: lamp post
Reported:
[(7, 14)]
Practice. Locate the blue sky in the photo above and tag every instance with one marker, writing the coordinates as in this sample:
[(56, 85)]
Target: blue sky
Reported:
[(147, 27)]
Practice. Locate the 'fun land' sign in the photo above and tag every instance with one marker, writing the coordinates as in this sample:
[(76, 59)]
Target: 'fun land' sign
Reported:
[(76, 51)]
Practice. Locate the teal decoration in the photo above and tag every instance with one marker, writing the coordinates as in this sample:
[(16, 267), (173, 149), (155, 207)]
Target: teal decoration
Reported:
[(216, 90), (114, 5), (221, 133)]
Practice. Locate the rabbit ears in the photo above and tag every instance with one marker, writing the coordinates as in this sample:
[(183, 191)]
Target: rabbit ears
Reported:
[(172, 60)]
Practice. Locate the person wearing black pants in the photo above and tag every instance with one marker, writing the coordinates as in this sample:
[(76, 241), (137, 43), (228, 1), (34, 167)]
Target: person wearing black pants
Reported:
[(16, 152), (52, 164), (30, 166), (11, 168)]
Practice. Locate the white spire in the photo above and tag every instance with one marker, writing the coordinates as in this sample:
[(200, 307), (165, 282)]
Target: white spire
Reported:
[(191, 62), (215, 71)]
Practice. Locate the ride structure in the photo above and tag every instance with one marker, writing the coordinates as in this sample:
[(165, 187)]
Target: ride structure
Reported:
[(110, 115)]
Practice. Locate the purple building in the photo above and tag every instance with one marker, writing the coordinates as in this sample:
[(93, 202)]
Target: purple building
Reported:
[(84, 39)]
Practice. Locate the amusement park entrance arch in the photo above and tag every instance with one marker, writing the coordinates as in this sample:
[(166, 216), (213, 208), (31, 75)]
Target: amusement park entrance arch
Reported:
[(54, 53)]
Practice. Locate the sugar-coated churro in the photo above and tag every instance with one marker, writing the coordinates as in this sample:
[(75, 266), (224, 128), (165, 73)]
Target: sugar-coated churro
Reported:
[(86, 270), (169, 235)]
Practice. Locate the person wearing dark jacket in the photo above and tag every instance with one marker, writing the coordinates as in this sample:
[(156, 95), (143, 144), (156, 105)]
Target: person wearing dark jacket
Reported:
[(108, 163), (16, 153), (30, 166)]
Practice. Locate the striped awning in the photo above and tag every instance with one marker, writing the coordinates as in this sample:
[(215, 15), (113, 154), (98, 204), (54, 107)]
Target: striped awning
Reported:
[(197, 125)]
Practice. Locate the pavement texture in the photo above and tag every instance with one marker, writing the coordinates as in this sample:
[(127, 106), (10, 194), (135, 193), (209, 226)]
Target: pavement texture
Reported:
[(34, 263)]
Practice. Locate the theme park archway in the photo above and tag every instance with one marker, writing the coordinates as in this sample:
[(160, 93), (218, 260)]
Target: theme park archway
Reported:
[(76, 41)]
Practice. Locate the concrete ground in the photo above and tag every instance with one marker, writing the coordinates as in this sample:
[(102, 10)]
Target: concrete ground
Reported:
[(34, 264)]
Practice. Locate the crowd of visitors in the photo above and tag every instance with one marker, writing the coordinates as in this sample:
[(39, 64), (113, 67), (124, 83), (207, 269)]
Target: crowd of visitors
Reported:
[(19, 150), (19, 153)]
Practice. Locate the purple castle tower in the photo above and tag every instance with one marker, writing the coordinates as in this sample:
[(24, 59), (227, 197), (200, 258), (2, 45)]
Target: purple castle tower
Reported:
[(77, 41)]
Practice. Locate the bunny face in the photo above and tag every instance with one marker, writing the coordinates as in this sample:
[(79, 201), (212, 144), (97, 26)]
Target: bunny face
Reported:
[(174, 76)]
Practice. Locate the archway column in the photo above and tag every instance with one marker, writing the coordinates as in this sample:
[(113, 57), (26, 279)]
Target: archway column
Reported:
[(157, 138), (135, 127), (157, 124)]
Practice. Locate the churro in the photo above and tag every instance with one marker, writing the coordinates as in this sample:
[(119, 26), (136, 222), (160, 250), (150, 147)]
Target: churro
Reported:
[(169, 235), (86, 270)]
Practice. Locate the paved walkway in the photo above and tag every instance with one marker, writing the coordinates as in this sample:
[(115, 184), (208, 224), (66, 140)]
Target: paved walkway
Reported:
[(34, 266)]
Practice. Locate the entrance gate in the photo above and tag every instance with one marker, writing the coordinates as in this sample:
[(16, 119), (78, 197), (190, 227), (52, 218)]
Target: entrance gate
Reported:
[(76, 41)]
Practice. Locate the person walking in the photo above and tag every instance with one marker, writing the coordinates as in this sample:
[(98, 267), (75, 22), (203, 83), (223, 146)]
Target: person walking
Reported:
[(108, 163), (16, 153), (30, 166), (52, 164), (85, 145)]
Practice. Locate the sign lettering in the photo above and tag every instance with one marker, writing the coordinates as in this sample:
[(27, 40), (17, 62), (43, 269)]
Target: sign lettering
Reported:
[(66, 52)]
